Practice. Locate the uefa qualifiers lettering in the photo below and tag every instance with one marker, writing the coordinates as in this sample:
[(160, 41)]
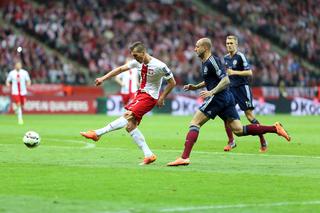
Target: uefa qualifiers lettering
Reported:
[(57, 106)]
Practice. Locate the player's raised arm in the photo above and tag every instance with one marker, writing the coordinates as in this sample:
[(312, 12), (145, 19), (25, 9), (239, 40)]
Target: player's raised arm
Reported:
[(240, 73), (111, 74), (194, 87)]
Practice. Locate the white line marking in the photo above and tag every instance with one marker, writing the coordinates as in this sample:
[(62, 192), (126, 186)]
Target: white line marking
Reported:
[(93, 145), (244, 154), (221, 153), (87, 145), (191, 208)]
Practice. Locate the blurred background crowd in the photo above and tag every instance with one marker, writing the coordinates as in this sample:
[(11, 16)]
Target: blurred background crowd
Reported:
[(96, 34)]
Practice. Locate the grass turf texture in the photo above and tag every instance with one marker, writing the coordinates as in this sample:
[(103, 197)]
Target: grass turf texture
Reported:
[(67, 173)]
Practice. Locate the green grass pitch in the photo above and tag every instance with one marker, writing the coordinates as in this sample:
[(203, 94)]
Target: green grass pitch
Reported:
[(67, 173)]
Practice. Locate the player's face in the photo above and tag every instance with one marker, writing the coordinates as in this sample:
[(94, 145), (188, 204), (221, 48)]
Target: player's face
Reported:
[(199, 49), (231, 45), (18, 66), (139, 56)]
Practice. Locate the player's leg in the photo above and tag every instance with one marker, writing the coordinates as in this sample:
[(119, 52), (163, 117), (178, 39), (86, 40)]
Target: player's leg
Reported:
[(19, 114), (20, 104), (114, 125), (142, 104), (256, 129), (231, 142), (250, 116), (139, 139), (197, 121)]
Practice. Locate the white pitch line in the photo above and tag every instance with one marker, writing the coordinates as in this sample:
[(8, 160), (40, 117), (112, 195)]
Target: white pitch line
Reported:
[(87, 145), (244, 154), (236, 206), (220, 153)]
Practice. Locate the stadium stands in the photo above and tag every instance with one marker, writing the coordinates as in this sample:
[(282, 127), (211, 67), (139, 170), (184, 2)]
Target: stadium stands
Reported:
[(96, 33), (292, 24), (43, 68)]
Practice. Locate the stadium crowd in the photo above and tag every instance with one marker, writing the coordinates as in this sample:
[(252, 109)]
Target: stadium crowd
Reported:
[(96, 33), (292, 24), (42, 67)]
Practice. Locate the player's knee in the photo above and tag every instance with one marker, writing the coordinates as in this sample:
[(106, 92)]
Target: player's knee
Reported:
[(237, 131), (128, 115), (130, 127), (250, 116), (192, 123)]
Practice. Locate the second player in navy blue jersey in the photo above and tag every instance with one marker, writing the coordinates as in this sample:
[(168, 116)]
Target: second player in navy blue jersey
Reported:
[(218, 101), (239, 71)]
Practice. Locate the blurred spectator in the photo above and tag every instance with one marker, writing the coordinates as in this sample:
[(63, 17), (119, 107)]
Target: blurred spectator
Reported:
[(96, 32), (293, 24), (43, 68)]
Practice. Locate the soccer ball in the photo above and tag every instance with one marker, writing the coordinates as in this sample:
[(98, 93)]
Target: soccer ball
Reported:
[(31, 139)]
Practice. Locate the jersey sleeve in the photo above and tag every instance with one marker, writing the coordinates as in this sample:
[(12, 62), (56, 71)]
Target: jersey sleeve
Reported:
[(133, 64), (167, 72), (246, 65)]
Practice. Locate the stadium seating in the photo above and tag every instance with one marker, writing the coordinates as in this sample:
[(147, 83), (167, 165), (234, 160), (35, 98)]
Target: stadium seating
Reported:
[(43, 68), (97, 33), (292, 24)]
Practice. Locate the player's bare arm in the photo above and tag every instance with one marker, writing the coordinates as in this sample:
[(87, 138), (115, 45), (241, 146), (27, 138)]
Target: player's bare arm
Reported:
[(240, 73), (111, 74), (194, 87), (118, 80), (171, 84), (223, 84)]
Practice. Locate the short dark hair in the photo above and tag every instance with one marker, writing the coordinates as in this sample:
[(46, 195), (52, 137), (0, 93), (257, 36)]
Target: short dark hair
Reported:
[(138, 46)]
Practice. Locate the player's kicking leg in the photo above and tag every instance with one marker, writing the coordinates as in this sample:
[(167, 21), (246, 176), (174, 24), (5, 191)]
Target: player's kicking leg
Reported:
[(114, 125), (256, 129)]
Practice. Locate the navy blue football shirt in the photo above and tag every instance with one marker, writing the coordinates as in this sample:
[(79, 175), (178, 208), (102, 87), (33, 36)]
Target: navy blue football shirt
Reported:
[(212, 71), (240, 63)]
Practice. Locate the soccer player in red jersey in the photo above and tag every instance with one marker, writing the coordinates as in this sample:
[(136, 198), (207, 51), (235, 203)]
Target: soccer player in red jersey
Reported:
[(18, 79), (152, 71)]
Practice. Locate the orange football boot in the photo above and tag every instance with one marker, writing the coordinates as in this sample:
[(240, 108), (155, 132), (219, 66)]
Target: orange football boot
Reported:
[(180, 162), (230, 146), (90, 135), (148, 160), (281, 131)]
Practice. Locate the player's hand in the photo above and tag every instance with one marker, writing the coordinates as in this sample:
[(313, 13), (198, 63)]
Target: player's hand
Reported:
[(189, 87), (205, 94), (230, 71), (160, 102), (98, 81)]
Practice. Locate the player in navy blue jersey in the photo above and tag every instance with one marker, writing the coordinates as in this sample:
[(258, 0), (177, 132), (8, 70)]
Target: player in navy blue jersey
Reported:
[(239, 71), (218, 101)]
